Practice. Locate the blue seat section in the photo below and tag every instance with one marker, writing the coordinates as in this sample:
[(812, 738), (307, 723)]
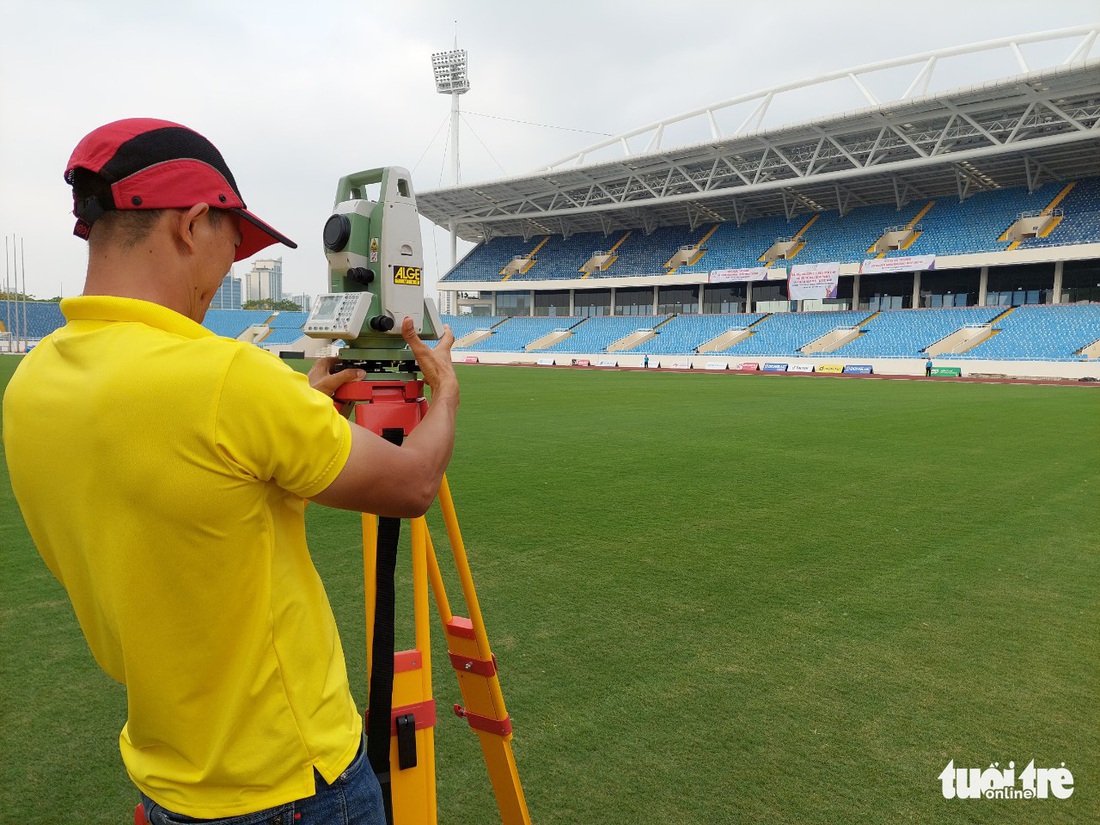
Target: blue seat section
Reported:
[(561, 258), (1081, 218), (953, 228), (462, 325), (643, 254), (740, 247), (286, 328), (229, 323), (906, 333), (285, 335), (686, 333), (1041, 333), (486, 260), (846, 239), (289, 320), (516, 333), (42, 318), (785, 333), (596, 334)]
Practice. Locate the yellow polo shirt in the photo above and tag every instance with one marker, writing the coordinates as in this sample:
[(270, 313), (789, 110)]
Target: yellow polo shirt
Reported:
[(162, 472)]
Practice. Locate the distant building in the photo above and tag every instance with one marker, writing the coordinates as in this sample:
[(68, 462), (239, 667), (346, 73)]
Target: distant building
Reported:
[(446, 303), (265, 280), (228, 295), (304, 301)]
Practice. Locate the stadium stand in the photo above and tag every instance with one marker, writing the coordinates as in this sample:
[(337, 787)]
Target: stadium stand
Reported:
[(595, 335), (1041, 333), (978, 223), (784, 334), (485, 261), (946, 227), (906, 333), (560, 258), (684, 334), (736, 247), (643, 254), (42, 318), (1027, 333), (286, 329), (230, 323), (515, 334), (1080, 221), (463, 325)]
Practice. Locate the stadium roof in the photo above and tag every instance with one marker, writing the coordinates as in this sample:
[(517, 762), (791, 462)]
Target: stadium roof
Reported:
[(1023, 130)]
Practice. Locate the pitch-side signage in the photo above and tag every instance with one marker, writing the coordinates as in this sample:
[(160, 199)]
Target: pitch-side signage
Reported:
[(773, 367), (858, 369), (833, 368), (800, 368), (546, 362), (912, 263), (715, 365), (813, 281), (758, 273), (749, 365)]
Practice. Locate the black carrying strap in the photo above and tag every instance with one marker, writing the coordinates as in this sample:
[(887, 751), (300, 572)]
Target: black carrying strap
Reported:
[(380, 700)]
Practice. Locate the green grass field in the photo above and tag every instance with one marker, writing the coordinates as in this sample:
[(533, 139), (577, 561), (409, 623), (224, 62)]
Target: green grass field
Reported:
[(714, 599)]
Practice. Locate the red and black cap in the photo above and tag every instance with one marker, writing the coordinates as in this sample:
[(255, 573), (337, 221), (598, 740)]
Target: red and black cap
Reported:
[(143, 163)]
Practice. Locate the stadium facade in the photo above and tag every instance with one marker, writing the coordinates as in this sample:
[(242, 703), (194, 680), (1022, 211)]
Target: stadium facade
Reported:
[(961, 224)]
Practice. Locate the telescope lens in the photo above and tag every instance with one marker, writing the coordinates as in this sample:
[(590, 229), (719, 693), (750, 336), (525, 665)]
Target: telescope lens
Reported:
[(337, 232)]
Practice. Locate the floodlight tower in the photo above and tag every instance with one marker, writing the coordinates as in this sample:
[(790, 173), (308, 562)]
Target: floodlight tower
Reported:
[(452, 78)]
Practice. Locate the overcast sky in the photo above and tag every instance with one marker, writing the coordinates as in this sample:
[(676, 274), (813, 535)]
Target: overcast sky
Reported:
[(297, 94)]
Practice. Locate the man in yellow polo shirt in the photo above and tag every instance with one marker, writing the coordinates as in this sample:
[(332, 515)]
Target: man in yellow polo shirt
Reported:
[(162, 472)]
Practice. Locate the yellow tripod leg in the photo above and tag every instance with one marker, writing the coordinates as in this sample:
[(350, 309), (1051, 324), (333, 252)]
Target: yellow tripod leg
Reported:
[(475, 665), (412, 771)]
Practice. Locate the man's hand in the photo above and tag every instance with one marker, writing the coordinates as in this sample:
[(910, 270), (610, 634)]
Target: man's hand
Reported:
[(435, 363), (382, 478), (323, 380)]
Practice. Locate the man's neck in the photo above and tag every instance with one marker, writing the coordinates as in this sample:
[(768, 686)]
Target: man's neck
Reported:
[(143, 272)]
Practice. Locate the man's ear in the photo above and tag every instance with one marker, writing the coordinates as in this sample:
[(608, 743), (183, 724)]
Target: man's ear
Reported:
[(187, 222)]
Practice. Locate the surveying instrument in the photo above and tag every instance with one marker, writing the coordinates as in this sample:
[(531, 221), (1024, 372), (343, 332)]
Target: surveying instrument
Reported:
[(376, 263)]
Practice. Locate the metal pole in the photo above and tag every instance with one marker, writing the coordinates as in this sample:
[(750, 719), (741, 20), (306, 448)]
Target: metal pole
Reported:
[(7, 295), (23, 266), (456, 171)]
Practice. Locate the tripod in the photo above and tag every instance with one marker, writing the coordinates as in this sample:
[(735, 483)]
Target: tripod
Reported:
[(405, 759)]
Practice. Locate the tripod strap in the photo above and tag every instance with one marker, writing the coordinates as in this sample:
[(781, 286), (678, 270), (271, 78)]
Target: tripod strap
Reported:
[(380, 701)]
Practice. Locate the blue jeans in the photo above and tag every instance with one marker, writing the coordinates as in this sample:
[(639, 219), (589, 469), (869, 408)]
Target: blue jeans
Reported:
[(353, 799)]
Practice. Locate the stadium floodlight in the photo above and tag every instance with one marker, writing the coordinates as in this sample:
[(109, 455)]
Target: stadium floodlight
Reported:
[(452, 78), (450, 68)]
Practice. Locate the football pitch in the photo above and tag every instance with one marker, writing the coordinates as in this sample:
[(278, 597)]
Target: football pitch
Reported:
[(714, 598)]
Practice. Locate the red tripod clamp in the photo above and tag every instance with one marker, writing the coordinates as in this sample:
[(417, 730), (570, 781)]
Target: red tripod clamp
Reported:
[(384, 405)]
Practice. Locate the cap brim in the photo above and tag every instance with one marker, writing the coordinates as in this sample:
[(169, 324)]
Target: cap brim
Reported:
[(257, 235)]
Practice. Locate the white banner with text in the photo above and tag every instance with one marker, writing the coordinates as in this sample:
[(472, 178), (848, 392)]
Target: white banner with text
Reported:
[(810, 281), (912, 263)]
